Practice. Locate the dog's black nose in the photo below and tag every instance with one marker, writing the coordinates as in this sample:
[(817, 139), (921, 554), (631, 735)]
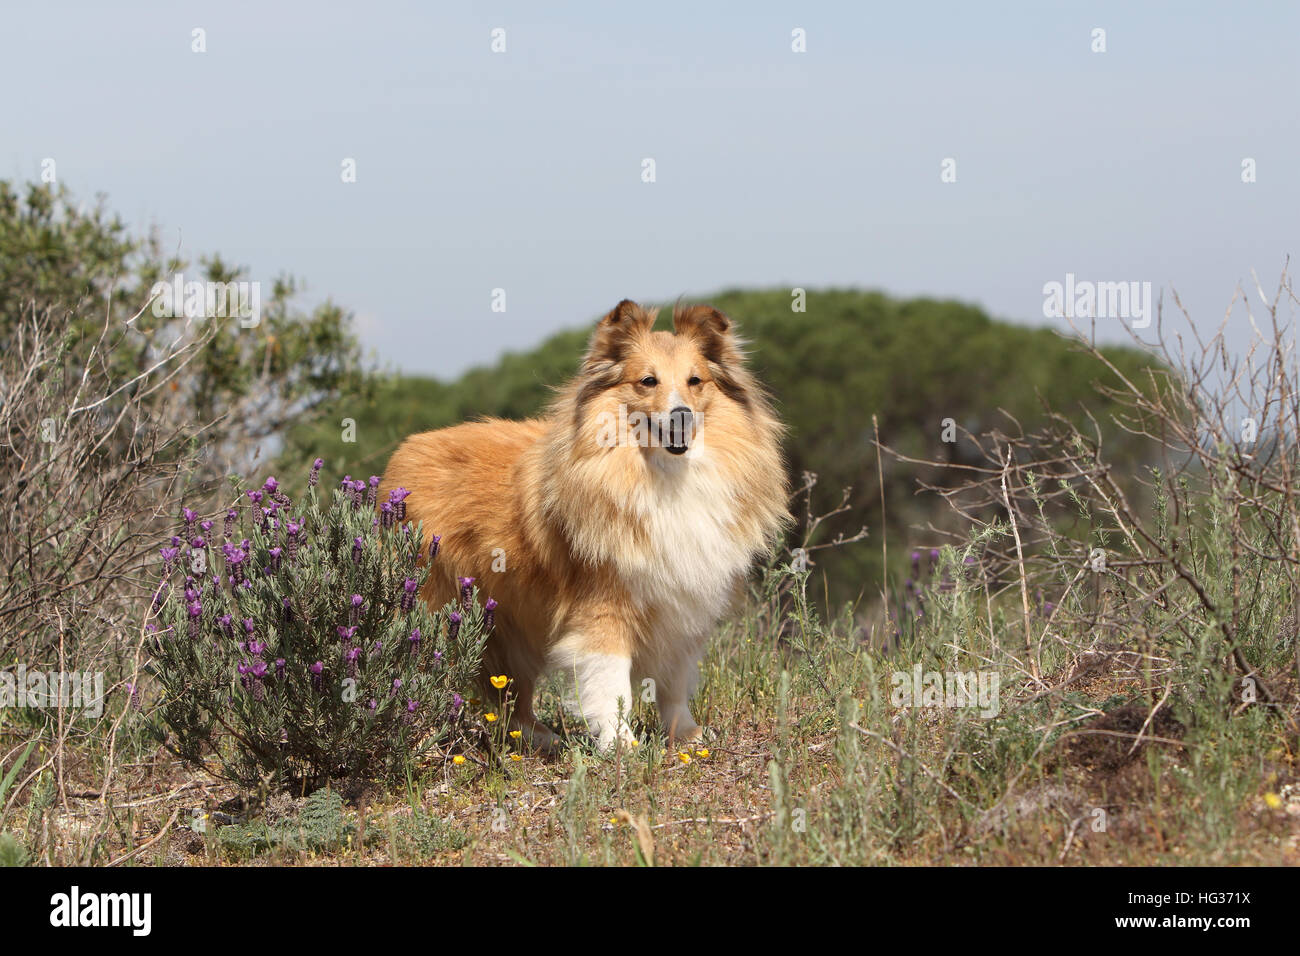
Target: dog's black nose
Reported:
[(681, 427)]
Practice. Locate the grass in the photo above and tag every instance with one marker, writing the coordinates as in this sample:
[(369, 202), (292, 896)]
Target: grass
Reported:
[(808, 762)]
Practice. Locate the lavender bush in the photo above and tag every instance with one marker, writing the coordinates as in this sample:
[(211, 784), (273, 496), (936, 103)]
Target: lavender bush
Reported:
[(289, 639)]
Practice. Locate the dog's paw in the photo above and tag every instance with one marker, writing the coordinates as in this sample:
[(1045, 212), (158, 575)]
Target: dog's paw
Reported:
[(537, 736), (687, 735)]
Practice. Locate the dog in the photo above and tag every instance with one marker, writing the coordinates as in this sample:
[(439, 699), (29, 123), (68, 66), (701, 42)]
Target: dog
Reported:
[(616, 530)]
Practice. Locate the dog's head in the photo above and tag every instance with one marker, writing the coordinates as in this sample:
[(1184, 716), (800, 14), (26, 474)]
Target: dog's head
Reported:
[(664, 391)]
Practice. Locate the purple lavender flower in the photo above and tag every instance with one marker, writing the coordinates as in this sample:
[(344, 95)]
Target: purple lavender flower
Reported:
[(271, 486), (433, 546), (257, 648), (275, 558), (168, 556), (398, 497), (249, 626), (386, 514), (286, 608), (373, 493), (466, 593), (415, 640), (316, 670), (279, 668), (254, 496), (231, 517), (453, 625), (225, 621), (397, 684), (408, 595), (346, 634), (357, 545), (489, 613), (411, 705), (456, 703), (190, 517), (235, 564), (314, 477), (373, 704), (206, 527)]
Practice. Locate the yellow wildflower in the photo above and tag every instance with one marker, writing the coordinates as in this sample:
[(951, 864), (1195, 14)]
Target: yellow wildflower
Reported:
[(499, 682), (1273, 800), (458, 759)]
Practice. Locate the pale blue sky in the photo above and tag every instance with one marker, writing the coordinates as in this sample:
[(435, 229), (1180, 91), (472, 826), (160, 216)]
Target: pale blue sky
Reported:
[(522, 170)]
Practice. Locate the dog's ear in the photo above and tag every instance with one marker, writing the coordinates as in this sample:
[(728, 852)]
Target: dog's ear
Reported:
[(712, 329), (613, 333), (602, 367), (716, 338)]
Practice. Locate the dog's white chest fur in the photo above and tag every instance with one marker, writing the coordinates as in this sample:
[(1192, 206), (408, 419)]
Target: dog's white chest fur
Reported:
[(692, 556)]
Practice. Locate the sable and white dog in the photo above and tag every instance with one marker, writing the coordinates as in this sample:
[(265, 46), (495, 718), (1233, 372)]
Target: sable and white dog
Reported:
[(614, 531)]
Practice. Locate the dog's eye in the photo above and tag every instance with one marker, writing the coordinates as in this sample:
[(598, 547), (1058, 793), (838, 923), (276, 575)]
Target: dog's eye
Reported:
[(649, 381), (693, 380)]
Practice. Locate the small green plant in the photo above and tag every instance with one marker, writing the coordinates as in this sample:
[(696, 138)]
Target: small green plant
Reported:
[(12, 852), (318, 826), (299, 649), (422, 835)]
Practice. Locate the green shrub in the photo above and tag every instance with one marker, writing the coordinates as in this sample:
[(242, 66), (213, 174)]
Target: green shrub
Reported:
[(299, 649)]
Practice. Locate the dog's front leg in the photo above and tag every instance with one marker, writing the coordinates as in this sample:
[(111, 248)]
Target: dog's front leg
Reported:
[(676, 685), (603, 686)]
